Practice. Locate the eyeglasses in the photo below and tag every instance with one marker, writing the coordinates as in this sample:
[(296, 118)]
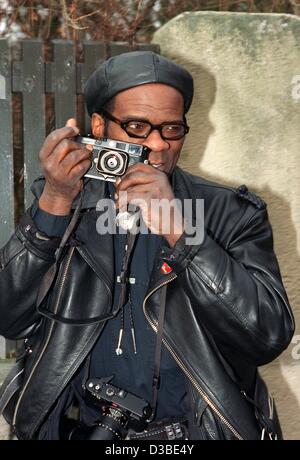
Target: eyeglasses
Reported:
[(141, 129)]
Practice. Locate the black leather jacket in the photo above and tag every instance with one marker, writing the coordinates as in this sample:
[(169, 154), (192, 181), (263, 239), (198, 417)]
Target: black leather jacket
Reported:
[(226, 311)]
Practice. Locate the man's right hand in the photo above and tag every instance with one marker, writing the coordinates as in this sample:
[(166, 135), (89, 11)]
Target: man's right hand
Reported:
[(63, 163)]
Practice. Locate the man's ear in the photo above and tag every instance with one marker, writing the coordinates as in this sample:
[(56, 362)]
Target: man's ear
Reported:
[(98, 125)]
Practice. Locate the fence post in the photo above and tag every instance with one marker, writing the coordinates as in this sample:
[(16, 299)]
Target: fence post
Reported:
[(93, 55), (33, 89), (7, 208), (7, 211), (64, 81)]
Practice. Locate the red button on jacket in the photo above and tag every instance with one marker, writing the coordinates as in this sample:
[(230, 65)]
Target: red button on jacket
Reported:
[(165, 268)]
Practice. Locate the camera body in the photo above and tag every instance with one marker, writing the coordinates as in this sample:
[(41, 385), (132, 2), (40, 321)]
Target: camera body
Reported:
[(111, 157), (135, 407), (118, 409)]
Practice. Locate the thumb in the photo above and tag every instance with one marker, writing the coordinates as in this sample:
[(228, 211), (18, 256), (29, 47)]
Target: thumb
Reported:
[(71, 122)]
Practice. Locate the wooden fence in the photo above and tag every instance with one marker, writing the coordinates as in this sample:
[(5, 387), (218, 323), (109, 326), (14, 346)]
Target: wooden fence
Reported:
[(33, 79)]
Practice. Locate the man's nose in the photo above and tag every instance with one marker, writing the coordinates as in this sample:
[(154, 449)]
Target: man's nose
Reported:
[(155, 142)]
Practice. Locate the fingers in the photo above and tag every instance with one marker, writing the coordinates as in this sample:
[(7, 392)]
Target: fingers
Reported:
[(133, 181), (64, 148), (66, 165), (79, 169), (136, 175), (75, 157), (71, 122), (55, 138), (60, 153), (136, 196)]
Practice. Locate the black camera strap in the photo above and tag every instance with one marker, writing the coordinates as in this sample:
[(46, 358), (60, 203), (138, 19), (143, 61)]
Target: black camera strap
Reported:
[(49, 277), (124, 278), (124, 275), (157, 356)]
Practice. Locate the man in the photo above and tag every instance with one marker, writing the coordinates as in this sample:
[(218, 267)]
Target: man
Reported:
[(178, 326)]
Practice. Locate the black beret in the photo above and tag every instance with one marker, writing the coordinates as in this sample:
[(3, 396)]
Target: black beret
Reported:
[(133, 69)]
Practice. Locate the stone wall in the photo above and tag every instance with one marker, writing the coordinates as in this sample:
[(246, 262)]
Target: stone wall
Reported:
[(2, 347), (5, 366), (245, 128), (4, 430)]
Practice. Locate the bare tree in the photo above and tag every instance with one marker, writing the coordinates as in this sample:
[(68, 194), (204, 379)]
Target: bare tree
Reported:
[(114, 20), (296, 6)]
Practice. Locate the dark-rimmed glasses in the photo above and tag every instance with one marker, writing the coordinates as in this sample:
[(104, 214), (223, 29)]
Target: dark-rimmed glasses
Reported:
[(140, 129)]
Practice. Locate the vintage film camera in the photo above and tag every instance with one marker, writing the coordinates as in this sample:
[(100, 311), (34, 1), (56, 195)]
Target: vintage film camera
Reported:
[(118, 409), (111, 158)]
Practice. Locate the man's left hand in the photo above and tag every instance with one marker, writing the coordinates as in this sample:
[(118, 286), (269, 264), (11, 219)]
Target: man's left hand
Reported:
[(149, 189)]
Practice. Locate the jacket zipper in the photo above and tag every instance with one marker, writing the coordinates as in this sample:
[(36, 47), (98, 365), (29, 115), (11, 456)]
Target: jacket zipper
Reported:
[(182, 366), (48, 337)]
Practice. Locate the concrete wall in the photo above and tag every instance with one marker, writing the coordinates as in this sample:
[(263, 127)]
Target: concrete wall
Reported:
[(245, 128)]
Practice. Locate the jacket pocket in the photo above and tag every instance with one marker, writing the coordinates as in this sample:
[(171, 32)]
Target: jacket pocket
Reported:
[(12, 386), (205, 424), (212, 428)]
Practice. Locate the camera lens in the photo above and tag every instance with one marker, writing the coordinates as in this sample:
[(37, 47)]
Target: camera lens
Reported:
[(111, 425), (112, 162)]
